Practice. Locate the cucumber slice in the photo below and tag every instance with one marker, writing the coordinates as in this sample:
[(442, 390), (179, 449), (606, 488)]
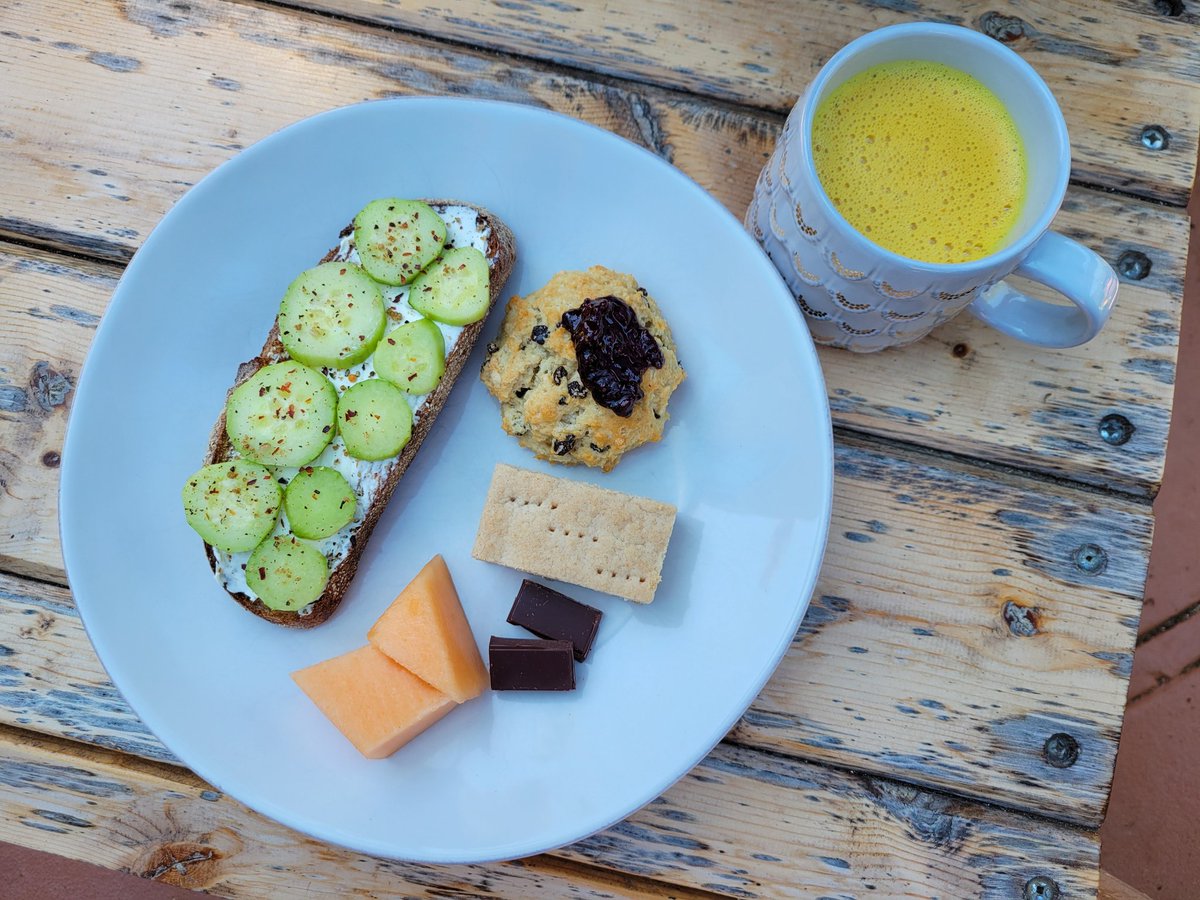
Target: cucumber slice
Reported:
[(412, 357), (331, 315), (319, 502), (396, 239), (286, 573), (283, 415), (232, 505), (455, 289), (374, 419)]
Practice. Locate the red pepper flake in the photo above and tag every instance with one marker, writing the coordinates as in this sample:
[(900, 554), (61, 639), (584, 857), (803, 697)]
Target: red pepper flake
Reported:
[(413, 376), (291, 410), (262, 573), (350, 414), (392, 341), (342, 272), (286, 387)]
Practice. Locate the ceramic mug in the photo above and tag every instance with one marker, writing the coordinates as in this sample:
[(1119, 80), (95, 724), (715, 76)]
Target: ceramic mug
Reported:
[(860, 296)]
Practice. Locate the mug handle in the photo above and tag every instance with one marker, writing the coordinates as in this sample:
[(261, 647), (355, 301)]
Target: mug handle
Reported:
[(1067, 267)]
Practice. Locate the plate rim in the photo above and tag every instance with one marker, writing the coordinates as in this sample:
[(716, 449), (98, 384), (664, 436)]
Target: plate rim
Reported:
[(516, 849)]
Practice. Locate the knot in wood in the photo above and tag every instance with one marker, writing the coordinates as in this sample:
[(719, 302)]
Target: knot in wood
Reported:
[(1005, 29), (1061, 750), (1041, 888), (1022, 621), (184, 864), (48, 387)]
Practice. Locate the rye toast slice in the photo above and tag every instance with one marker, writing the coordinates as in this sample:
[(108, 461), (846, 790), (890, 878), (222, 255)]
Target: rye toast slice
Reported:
[(501, 254)]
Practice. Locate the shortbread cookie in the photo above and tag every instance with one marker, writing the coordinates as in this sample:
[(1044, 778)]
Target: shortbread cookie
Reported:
[(533, 369), (574, 532)]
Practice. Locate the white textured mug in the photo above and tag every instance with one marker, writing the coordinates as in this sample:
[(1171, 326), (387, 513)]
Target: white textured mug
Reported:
[(861, 296)]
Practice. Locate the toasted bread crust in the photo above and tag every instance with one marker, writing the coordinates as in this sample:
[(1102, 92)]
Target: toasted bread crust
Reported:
[(502, 255)]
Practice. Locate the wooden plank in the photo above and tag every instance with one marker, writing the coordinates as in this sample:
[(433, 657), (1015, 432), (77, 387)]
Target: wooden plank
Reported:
[(990, 401), (955, 630), (831, 833), (1114, 68), (960, 679), (166, 825), (48, 314)]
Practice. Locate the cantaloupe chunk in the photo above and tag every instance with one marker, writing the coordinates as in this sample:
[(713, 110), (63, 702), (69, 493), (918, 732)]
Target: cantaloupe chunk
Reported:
[(379, 705), (426, 631)]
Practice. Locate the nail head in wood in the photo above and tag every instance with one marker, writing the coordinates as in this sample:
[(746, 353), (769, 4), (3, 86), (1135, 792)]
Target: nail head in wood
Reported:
[(1091, 559), (1061, 750), (1155, 137), (51, 459), (1041, 888), (1133, 265), (1115, 429)]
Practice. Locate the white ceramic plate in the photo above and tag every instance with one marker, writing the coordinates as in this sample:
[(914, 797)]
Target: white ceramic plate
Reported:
[(747, 459)]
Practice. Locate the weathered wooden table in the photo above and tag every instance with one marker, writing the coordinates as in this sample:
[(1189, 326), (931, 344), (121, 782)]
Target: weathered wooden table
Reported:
[(947, 719)]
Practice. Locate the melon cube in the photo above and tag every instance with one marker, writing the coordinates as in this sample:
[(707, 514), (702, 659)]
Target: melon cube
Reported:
[(426, 631), (379, 705)]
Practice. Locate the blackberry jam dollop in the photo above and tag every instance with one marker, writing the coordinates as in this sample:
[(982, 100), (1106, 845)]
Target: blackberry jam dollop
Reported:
[(613, 350)]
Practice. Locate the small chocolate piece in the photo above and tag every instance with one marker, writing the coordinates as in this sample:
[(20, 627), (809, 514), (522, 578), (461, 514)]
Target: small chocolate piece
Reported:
[(555, 616), (518, 664)]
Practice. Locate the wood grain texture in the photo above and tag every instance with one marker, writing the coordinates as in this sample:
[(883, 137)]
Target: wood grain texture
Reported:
[(961, 683), (953, 633), (216, 77), (48, 314), (831, 833), (165, 825), (1114, 68)]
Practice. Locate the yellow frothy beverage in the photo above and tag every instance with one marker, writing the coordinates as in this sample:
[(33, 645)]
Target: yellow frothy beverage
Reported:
[(922, 159)]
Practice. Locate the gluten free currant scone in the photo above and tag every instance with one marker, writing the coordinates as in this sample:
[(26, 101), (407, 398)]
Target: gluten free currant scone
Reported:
[(583, 368)]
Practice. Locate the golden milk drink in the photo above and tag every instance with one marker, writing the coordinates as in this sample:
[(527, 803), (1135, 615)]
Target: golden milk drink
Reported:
[(922, 159)]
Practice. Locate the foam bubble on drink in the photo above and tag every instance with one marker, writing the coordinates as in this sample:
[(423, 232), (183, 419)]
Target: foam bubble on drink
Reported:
[(922, 159)]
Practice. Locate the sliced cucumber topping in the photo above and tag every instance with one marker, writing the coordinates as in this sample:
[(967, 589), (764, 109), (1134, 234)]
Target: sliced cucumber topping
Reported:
[(232, 505), (332, 315), (396, 239), (283, 415), (412, 357), (455, 289), (319, 502), (285, 573), (374, 419)]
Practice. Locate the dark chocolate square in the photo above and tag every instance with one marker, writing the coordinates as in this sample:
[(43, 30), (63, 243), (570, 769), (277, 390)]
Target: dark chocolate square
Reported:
[(519, 664), (555, 616)]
